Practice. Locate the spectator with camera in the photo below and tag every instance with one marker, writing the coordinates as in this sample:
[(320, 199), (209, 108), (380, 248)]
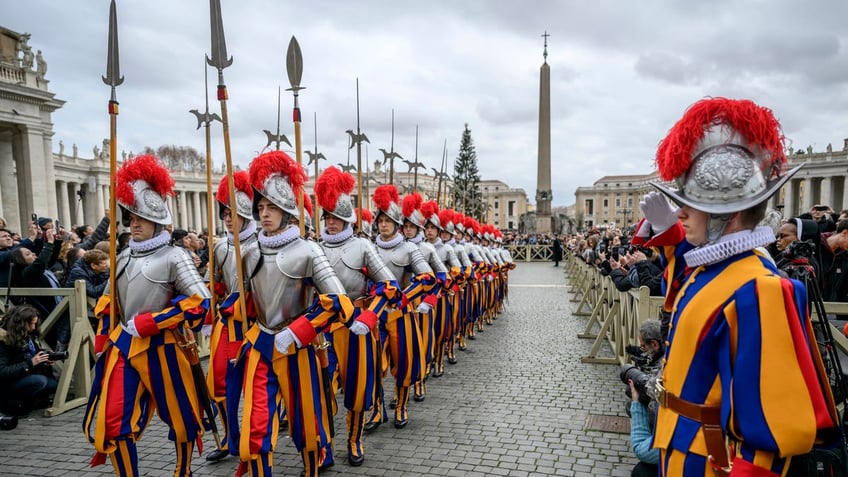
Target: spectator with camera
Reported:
[(27, 377), (642, 408), (31, 271), (823, 216)]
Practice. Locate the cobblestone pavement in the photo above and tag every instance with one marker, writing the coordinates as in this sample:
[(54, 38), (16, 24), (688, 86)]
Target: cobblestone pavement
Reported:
[(515, 405)]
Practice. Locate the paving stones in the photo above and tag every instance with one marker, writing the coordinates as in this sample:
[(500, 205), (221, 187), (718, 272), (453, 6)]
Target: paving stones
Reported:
[(515, 405)]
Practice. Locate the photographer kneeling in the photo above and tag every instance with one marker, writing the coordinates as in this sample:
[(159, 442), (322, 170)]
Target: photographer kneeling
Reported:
[(643, 405), (27, 377)]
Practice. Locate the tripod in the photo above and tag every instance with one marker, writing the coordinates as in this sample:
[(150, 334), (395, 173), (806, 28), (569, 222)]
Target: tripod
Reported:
[(831, 458)]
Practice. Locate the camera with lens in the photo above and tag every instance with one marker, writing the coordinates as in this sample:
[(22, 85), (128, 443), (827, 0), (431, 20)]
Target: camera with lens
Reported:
[(800, 249), (640, 382), (57, 355)]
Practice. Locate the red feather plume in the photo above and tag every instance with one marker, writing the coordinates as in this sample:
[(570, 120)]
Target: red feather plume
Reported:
[(384, 195), (365, 214), (330, 185), (411, 202), (145, 167), (241, 182), (753, 122), (446, 216), (429, 208), (468, 223), (276, 162)]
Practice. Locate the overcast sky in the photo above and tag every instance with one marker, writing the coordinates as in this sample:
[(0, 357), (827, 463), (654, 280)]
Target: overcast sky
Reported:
[(621, 74)]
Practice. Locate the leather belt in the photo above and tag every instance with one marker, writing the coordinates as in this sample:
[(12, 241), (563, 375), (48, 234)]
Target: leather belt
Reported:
[(710, 419), (362, 302), (277, 328)]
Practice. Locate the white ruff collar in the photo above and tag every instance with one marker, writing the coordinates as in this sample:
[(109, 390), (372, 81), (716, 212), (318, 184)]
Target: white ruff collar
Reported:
[(339, 237), (249, 230), (277, 241), (729, 245), (417, 239), (391, 243), (150, 244)]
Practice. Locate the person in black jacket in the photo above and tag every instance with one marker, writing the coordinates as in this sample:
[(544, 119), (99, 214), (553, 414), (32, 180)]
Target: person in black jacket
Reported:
[(93, 267), (557, 251), (31, 271), (27, 377)]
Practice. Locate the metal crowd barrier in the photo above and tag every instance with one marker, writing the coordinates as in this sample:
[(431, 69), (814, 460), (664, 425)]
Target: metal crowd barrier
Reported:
[(75, 372), (615, 316)]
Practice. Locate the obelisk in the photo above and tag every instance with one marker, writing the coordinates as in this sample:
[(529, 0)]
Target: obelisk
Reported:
[(544, 193)]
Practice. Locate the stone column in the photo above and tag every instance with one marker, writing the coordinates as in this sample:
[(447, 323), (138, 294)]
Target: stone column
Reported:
[(49, 173), (31, 177), (789, 198), (198, 214), (76, 207), (98, 200), (807, 200), (543, 165), (8, 184), (826, 191), (64, 214), (183, 210)]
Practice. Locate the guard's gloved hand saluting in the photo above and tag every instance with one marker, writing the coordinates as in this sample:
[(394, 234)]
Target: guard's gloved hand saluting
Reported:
[(658, 211)]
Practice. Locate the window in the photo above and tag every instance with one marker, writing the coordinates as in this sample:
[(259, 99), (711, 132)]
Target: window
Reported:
[(511, 225), (589, 206), (497, 202), (617, 202), (606, 203), (511, 208)]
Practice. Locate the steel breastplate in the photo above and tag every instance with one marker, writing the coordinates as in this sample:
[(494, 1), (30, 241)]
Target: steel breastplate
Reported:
[(225, 260), (148, 281), (431, 256)]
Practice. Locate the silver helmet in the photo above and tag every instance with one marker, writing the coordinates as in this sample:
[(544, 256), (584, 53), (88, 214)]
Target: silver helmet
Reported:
[(143, 186), (244, 195), (411, 208), (332, 191), (277, 177), (724, 156), (387, 200)]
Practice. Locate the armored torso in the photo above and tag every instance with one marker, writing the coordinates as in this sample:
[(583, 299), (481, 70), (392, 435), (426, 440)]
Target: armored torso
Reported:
[(432, 257), (355, 262), (279, 283), (147, 281), (225, 260), (446, 254), (404, 260), (462, 254)]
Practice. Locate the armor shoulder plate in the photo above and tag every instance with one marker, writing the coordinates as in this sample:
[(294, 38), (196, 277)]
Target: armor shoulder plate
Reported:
[(295, 259)]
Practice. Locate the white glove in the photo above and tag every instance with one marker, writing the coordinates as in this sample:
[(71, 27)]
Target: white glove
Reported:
[(489, 278), (130, 328), (284, 339), (206, 330), (359, 328), (424, 308), (658, 212)]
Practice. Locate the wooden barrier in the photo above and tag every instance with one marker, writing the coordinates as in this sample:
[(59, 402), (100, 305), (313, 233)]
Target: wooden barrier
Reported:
[(75, 372), (530, 253), (617, 315)]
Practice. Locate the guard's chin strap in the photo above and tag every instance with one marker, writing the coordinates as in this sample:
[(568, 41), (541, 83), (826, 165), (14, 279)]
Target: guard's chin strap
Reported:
[(716, 225)]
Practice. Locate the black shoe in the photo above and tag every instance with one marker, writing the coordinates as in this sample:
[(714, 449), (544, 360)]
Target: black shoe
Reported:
[(7, 423), (355, 460), (417, 398), (438, 374), (371, 426), (393, 403), (472, 337), (401, 424), (452, 360), (217, 455)]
